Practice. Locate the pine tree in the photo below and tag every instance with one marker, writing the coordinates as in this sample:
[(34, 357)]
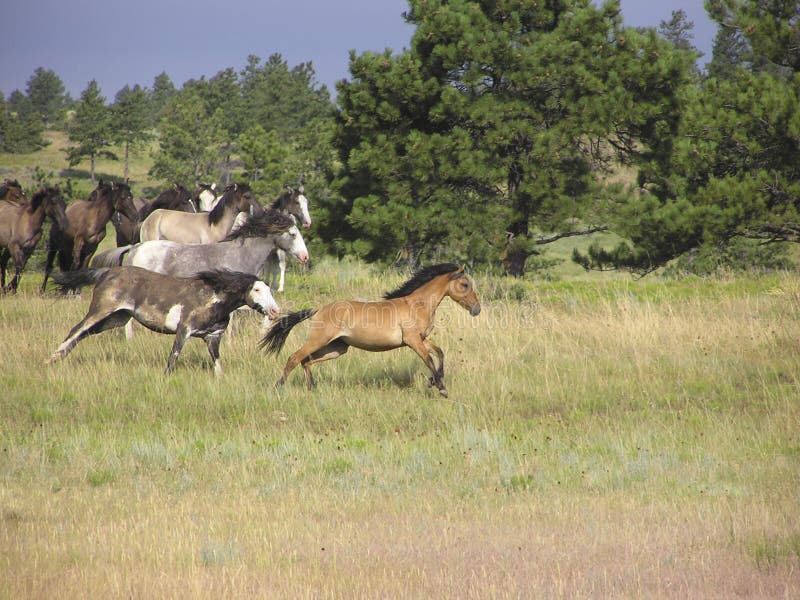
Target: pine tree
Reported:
[(91, 129), (130, 119), (732, 170), (48, 96), (162, 92), (189, 141), (492, 126)]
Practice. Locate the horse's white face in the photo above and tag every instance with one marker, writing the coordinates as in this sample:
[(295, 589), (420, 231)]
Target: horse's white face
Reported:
[(207, 199), (305, 216), (292, 242), (260, 298)]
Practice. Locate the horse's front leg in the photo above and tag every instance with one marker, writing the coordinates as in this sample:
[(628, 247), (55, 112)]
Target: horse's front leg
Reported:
[(414, 341), (433, 348), (281, 269), (77, 248), (212, 343), (4, 256)]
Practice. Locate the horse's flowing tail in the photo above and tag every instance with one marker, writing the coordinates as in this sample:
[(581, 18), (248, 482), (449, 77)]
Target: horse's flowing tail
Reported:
[(112, 257), (276, 337), (68, 281)]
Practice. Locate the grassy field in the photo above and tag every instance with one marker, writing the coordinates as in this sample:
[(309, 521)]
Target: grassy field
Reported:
[(601, 439)]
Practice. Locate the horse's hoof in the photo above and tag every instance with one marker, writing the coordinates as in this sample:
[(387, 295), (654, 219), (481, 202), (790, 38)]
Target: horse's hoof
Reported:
[(443, 392)]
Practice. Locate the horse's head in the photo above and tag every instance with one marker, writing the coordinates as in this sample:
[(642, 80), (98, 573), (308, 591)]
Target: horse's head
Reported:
[(298, 206), (260, 298), (122, 200), (291, 241), (205, 196), (183, 200), (11, 191), (462, 289), (55, 207)]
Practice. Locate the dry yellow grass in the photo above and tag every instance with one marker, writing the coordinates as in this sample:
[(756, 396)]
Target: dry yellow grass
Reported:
[(612, 439)]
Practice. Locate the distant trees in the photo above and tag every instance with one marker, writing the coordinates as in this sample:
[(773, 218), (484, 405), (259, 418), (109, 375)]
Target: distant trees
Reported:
[(188, 140), (25, 116), (257, 120), (21, 128)]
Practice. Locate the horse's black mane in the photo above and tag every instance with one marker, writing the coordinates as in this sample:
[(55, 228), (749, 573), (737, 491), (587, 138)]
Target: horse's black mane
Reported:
[(223, 281), (269, 223), (420, 278), (170, 199), (39, 197), (215, 216), (282, 200)]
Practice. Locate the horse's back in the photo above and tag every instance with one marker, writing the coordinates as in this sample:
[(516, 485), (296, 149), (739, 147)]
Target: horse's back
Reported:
[(175, 226)]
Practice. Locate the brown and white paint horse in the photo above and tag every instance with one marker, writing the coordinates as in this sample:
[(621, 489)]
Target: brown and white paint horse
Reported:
[(198, 306)]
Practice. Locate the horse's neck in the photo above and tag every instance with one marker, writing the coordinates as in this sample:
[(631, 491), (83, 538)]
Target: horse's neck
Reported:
[(225, 223), (34, 217), (430, 294), (105, 206)]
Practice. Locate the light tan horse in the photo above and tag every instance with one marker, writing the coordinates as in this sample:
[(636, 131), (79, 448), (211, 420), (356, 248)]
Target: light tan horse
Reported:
[(201, 228), (403, 318)]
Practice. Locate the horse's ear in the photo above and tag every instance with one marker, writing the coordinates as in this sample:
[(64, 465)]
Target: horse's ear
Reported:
[(457, 274)]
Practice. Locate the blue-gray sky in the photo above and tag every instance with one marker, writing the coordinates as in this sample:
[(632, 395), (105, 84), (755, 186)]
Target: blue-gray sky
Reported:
[(119, 43)]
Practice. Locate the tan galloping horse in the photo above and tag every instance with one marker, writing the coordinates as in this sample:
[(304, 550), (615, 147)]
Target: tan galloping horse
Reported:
[(403, 318), (86, 227), (21, 229), (201, 228)]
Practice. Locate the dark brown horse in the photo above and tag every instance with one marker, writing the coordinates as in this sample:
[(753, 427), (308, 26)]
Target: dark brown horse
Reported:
[(198, 306), (21, 228), (11, 191), (86, 227), (176, 198), (403, 318)]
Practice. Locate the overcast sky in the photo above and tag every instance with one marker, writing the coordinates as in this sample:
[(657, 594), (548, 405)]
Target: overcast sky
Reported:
[(119, 43)]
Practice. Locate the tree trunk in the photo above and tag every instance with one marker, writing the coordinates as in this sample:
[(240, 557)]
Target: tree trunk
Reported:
[(126, 160), (514, 262)]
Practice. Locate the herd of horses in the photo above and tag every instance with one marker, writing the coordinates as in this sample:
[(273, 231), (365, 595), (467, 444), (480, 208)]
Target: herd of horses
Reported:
[(185, 262)]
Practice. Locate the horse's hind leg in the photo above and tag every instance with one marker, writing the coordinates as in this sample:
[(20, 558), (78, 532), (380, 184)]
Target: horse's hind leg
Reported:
[(333, 350), (92, 323), (181, 336), (301, 356)]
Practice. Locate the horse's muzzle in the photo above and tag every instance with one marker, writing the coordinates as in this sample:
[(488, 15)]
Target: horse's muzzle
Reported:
[(475, 310)]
